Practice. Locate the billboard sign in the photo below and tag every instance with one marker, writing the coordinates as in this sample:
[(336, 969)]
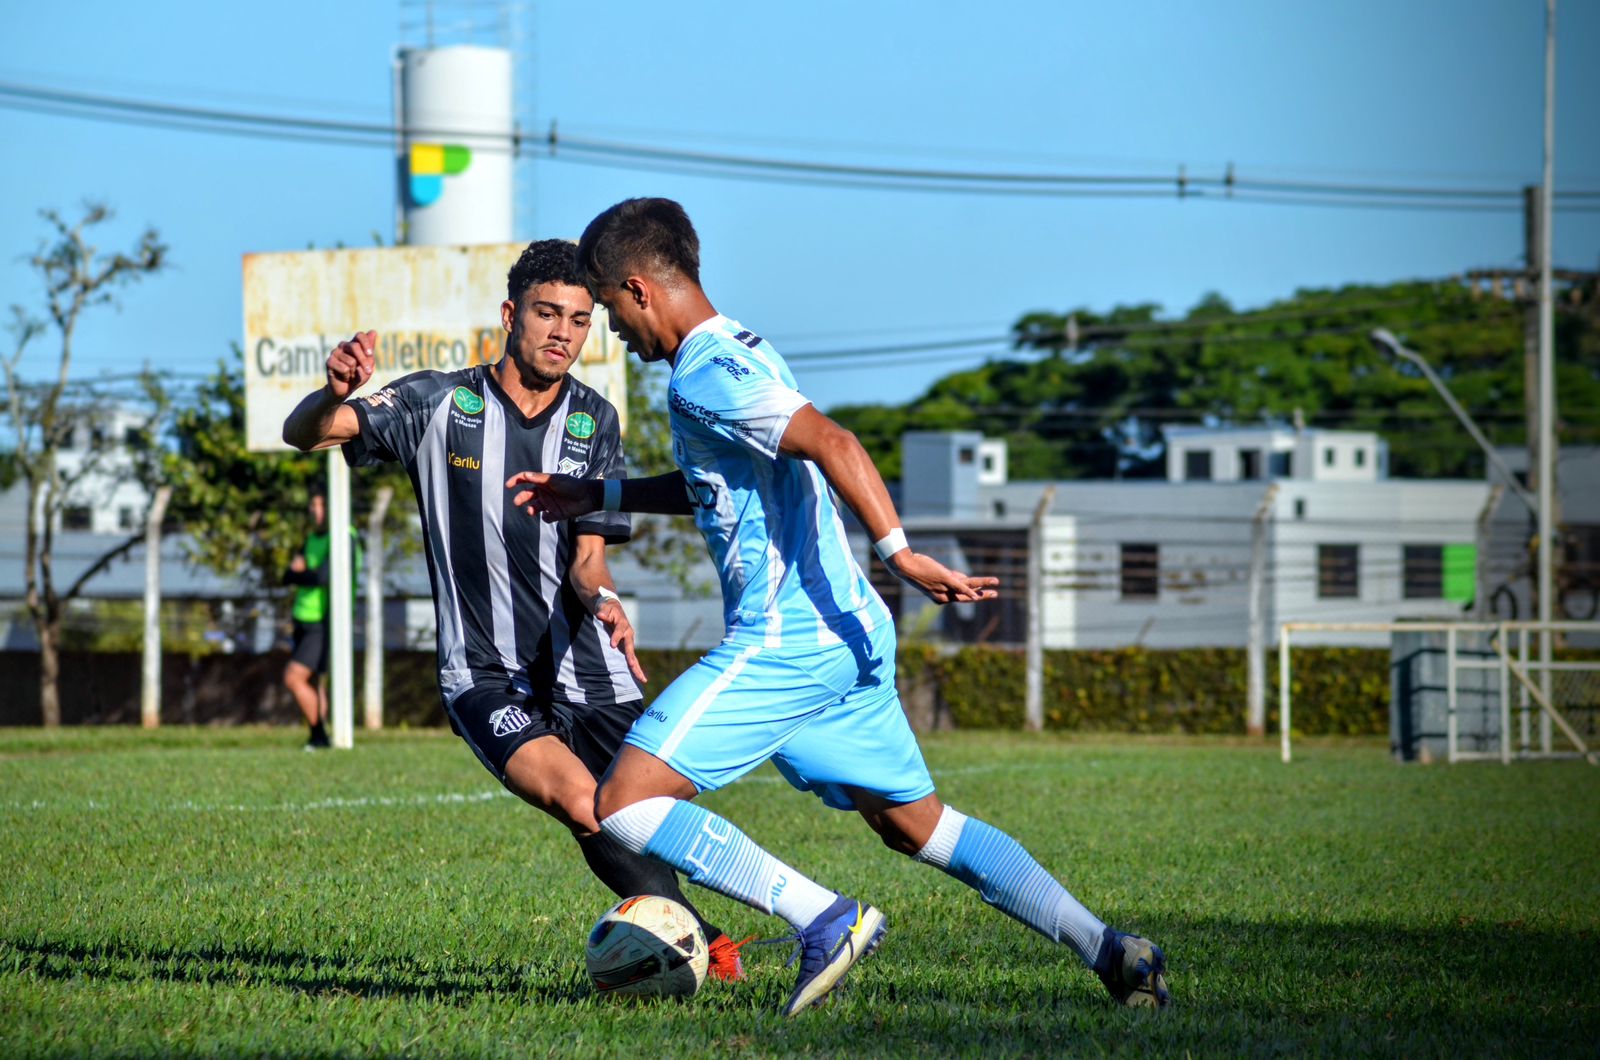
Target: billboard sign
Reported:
[(434, 308)]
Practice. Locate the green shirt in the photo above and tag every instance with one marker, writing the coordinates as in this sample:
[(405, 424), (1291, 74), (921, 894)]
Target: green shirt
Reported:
[(311, 601)]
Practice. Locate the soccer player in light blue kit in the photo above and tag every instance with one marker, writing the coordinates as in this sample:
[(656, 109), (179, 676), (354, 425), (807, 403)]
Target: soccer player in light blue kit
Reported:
[(805, 674)]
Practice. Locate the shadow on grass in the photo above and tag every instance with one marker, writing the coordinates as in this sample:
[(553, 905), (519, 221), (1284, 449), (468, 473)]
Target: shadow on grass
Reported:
[(1244, 988), (1241, 988), (243, 965)]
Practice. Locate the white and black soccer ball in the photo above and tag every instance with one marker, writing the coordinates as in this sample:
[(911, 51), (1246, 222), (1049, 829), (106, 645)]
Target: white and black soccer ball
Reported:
[(647, 945)]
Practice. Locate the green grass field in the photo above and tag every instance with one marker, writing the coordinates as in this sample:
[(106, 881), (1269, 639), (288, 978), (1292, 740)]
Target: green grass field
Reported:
[(220, 892)]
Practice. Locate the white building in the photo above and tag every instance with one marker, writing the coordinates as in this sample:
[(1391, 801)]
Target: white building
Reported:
[(1167, 563)]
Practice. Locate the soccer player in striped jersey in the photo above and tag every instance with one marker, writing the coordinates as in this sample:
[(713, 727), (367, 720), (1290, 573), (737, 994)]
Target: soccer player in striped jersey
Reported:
[(805, 674), (536, 663)]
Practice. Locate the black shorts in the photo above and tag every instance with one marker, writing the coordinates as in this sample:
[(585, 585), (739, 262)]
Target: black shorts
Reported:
[(310, 646), (495, 720)]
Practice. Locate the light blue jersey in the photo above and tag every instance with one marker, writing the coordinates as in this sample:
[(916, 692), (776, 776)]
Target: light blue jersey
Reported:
[(805, 675), (788, 577)]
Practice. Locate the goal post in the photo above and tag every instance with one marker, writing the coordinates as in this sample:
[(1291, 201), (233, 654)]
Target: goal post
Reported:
[(1510, 661)]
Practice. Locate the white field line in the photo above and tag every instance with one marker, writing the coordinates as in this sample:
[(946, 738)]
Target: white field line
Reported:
[(448, 798)]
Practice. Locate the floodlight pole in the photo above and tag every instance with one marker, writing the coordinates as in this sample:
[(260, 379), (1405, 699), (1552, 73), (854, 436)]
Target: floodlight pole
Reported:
[(1547, 383), (1385, 340)]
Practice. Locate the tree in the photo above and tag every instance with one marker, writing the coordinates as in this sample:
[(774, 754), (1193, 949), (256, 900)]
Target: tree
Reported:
[(1097, 403), (664, 543), (246, 511), (77, 276)]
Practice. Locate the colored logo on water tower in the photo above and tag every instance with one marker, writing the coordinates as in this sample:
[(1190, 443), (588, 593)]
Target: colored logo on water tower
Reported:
[(430, 164)]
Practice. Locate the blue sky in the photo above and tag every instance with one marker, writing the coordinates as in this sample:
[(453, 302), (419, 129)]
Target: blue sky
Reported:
[(1416, 92)]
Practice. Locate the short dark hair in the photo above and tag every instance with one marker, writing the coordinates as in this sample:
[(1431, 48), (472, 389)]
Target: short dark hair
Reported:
[(639, 234), (544, 261)]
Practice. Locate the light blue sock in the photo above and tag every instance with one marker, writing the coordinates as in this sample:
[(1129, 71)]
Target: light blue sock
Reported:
[(711, 852), (998, 868)]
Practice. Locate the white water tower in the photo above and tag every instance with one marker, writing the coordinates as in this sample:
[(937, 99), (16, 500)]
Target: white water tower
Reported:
[(456, 158)]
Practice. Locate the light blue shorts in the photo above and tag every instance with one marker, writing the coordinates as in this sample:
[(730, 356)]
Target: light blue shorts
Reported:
[(829, 718)]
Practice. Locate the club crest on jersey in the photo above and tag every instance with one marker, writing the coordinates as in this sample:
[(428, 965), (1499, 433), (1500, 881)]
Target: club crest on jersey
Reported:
[(467, 401), (569, 466), (508, 720), (580, 425), (384, 397)]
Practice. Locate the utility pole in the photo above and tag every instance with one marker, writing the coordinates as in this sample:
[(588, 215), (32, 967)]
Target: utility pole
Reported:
[(1033, 702), (1547, 381), (1256, 677)]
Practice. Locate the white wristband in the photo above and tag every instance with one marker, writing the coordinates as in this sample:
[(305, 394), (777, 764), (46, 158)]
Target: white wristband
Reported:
[(601, 595), (890, 543), (611, 495)]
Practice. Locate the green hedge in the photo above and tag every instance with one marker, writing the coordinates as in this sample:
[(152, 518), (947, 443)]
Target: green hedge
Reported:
[(1200, 690)]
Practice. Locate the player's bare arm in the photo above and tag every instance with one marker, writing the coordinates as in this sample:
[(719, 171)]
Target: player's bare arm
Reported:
[(557, 497), (591, 579), (322, 419), (852, 475)]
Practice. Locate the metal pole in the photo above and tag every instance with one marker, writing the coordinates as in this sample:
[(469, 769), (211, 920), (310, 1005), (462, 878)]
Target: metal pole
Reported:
[(1386, 339), (1450, 691), (1547, 374), (1283, 692), (1033, 704), (1256, 660), (1505, 696), (372, 686), (150, 676), (341, 687)]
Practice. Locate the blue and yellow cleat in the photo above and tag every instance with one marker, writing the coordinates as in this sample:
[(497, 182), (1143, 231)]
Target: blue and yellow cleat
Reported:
[(845, 932), (1134, 969)]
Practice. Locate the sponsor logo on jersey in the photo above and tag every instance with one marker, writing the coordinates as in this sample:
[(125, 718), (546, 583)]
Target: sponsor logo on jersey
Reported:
[(580, 425), (467, 401), (508, 720), (655, 714), (383, 397), (749, 338), (731, 366), (684, 407), (468, 463), (569, 466)]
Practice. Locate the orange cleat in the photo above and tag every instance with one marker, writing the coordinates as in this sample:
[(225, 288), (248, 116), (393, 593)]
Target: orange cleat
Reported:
[(725, 962)]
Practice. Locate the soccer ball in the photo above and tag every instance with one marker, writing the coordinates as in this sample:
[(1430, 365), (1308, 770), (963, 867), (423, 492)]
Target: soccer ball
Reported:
[(647, 945)]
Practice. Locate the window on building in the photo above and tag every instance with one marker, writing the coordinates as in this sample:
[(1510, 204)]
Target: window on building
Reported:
[(999, 509), (1299, 507), (1423, 570), (1361, 457), (1141, 571), (965, 454), (1249, 463), (1197, 465), (1338, 572), (133, 438), (1281, 465), (76, 518), (127, 519), (69, 437), (988, 463), (1327, 456)]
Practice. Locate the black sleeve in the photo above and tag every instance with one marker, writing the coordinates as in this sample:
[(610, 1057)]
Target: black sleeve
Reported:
[(394, 418), (609, 462), (309, 576)]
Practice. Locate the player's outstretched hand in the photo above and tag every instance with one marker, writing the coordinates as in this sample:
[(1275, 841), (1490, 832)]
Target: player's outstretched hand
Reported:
[(615, 619), (555, 497), (938, 582), (351, 364)]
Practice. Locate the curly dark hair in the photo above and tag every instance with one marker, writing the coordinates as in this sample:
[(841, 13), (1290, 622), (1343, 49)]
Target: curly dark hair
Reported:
[(635, 234), (544, 261)]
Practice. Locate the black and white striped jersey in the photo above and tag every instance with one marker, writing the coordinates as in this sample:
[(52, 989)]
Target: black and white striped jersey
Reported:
[(504, 608)]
